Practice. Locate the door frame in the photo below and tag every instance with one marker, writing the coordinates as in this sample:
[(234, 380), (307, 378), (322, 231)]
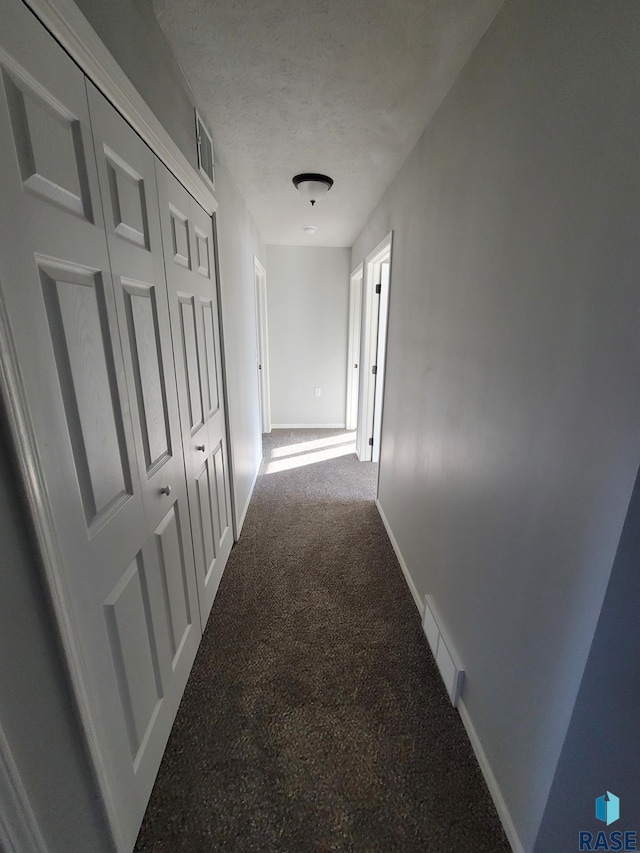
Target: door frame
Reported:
[(262, 345), (353, 347), (384, 276), (369, 347)]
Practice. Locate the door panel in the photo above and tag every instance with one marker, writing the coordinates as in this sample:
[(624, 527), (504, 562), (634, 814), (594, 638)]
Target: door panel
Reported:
[(193, 308), (189, 340), (180, 244), (134, 653), (212, 393), (205, 518), (127, 199), (176, 571), (76, 311), (49, 145), (143, 334), (222, 499), (203, 253)]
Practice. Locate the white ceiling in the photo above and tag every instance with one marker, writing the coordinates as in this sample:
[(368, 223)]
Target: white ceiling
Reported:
[(341, 87)]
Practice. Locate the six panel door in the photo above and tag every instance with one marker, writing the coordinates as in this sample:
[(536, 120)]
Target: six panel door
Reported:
[(188, 251)]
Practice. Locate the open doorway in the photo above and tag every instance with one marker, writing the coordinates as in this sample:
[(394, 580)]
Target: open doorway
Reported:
[(262, 345), (374, 312)]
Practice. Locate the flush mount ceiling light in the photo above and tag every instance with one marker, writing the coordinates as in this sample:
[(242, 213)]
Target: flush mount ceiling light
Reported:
[(313, 186), (310, 229)]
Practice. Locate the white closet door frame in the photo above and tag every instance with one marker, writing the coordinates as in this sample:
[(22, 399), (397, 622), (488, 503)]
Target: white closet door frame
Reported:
[(353, 347), (260, 275)]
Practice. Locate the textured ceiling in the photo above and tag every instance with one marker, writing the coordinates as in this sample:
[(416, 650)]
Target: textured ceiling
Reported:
[(342, 87)]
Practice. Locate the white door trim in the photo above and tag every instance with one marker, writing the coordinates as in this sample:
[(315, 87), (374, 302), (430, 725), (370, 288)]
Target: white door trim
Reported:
[(353, 346), (384, 277), (381, 253), (19, 830), (263, 344), (65, 21)]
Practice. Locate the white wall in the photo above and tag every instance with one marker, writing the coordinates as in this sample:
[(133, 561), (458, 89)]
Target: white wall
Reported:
[(511, 434), (132, 34), (238, 242), (308, 315)]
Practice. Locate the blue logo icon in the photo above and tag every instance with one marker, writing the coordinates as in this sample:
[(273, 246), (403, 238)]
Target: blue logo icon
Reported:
[(608, 808)]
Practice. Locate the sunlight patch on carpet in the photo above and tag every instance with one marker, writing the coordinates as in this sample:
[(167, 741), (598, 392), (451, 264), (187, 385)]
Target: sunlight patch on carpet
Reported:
[(312, 458), (316, 444)]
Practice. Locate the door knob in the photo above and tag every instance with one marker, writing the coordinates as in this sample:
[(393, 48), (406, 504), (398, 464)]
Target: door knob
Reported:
[(165, 490), (200, 447)]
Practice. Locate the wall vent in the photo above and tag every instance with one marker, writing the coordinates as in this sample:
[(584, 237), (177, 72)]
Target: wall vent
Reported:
[(443, 651), (205, 151)]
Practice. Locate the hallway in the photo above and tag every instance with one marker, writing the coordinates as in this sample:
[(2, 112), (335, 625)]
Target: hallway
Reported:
[(314, 718)]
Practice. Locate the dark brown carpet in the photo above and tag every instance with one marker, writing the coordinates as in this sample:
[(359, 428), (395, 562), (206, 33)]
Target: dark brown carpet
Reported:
[(315, 718)]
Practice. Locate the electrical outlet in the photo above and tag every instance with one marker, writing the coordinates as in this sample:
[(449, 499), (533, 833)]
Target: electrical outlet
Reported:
[(318, 392)]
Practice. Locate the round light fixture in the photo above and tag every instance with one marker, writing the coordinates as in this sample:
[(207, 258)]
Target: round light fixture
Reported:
[(313, 186), (310, 229)]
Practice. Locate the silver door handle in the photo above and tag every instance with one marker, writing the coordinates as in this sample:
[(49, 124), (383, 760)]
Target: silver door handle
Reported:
[(200, 447), (165, 490)]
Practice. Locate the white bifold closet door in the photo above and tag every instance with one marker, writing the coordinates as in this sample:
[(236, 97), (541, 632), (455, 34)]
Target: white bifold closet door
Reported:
[(126, 174), (83, 288), (189, 261)]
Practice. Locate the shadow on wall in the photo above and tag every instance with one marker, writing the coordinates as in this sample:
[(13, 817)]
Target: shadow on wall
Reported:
[(602, 747)]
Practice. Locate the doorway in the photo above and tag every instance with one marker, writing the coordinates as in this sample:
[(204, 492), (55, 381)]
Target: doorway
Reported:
[(353, 347), (375, 311), (262, 346)]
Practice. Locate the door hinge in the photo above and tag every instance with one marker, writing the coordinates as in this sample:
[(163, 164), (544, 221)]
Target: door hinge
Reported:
[(374, 369), (371, 442), (378, 288)]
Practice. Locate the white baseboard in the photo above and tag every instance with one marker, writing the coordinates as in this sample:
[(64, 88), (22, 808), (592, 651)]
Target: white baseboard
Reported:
[(490, 779), (307, 426), (403, 565), (248, 501)]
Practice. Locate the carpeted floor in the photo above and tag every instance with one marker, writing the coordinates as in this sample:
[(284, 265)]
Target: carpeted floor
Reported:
[(314, 719)]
